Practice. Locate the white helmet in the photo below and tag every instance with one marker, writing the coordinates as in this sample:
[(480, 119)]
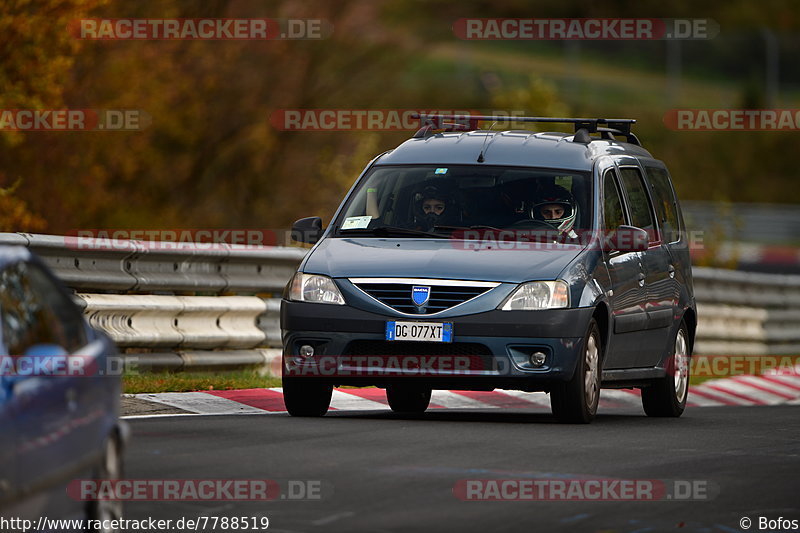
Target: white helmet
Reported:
[(555, 194)]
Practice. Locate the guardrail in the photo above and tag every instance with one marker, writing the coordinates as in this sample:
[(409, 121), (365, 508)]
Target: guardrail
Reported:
[(123, 265), (184, 307), (745, 313), (175, 305)]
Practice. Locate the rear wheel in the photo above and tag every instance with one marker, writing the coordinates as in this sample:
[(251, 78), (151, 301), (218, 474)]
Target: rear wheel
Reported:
[(408, 399), (576, 400), (666, 397), (305, 398)]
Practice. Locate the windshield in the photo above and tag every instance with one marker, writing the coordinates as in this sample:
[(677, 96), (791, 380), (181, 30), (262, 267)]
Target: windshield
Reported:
[(437, 201)]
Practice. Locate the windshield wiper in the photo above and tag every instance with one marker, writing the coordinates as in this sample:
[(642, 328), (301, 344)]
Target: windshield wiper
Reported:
[(507, 233), (453, 228), (386, 231)]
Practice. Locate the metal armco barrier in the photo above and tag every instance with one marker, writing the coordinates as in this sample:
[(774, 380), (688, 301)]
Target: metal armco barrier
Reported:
[(743, 313), (220, 307), (121, 265), (153, 321), (175, 305)]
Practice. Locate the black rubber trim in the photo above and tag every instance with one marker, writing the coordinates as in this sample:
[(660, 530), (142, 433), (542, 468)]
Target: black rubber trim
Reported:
[(662, 318), (630, 322)]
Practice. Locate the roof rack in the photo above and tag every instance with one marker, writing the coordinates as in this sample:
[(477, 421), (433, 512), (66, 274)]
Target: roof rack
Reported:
[(618, 126)]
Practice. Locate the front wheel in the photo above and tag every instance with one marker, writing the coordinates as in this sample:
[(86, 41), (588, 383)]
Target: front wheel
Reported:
[(408, 399), (303, 397), (666, 397), (576, 400), (105, 510)]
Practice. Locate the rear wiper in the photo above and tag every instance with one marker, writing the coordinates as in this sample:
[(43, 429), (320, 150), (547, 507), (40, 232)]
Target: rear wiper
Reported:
[(385, 231)]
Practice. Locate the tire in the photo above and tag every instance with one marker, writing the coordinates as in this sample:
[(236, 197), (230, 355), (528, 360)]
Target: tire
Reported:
[(303, 397), (666, 397), (408, 400), (575, 401), (110, 467)]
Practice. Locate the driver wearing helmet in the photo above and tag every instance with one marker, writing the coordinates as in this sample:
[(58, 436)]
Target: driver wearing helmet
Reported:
[(556, 206), (433, 206)]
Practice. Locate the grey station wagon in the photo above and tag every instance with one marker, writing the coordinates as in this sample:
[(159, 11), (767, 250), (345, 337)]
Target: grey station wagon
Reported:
[(473, 259)]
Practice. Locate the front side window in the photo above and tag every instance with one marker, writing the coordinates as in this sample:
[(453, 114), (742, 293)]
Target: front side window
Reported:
[(438, 200), (34, 311), (614, 216)]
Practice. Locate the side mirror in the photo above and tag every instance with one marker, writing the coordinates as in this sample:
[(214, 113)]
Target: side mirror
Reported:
[(39, 360), (627, 239), (45, 350), (308, 230)]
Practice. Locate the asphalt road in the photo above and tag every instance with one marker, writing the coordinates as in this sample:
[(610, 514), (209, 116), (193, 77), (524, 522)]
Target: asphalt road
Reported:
[(382, 472)]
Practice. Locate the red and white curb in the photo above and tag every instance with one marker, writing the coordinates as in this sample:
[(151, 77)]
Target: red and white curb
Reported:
[(746, 390)]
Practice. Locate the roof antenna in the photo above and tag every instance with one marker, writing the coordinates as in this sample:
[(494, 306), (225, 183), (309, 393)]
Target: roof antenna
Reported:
[(480, 155)]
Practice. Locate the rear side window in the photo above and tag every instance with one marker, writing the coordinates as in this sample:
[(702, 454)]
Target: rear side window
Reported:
[(641, 215), (665, 203), (614, 216)]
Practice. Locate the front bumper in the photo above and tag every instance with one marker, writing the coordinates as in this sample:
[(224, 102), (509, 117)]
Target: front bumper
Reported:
[(488, 351)]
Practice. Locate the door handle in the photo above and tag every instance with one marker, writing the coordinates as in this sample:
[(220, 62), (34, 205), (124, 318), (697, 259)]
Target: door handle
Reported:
[(71, 397)]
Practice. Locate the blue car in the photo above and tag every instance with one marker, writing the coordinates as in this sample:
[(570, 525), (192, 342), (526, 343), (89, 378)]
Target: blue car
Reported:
[(470, 259), (60, 391)]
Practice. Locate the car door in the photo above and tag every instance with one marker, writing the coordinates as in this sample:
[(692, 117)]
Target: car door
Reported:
[(659, 301), (8, 431), (50, 447), (626, 275), (670, 228)]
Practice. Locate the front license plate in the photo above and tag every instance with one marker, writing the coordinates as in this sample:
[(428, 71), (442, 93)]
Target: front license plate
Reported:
[(419, 331)]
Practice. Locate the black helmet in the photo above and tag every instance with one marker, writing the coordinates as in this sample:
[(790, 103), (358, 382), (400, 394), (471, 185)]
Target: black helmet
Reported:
[(555, 194), (428, 220)]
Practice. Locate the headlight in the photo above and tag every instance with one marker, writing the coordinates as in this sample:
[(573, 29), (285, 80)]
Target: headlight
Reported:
[(315, 288), (537, 295)]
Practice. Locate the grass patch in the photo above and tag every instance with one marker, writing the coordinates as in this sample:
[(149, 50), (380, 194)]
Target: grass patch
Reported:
[(709, 367), (196, 381), (697, 380)]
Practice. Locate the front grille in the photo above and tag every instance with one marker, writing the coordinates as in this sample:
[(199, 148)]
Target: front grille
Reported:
[(479, 356), (398, 296)]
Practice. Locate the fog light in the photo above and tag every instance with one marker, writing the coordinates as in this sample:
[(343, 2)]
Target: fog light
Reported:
[(306, 351), (537, 359)]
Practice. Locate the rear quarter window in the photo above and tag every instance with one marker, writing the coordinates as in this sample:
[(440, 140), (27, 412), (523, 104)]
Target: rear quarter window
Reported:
[(664, 201)]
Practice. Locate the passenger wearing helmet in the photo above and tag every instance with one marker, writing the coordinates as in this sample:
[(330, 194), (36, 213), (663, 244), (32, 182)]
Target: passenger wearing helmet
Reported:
[(433, 206), (556, 206)]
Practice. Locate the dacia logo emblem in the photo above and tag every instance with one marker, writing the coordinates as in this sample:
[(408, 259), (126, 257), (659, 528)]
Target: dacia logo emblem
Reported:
[(420, 296)]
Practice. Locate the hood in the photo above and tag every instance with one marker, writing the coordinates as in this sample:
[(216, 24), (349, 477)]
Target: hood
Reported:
[(513, 262)]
